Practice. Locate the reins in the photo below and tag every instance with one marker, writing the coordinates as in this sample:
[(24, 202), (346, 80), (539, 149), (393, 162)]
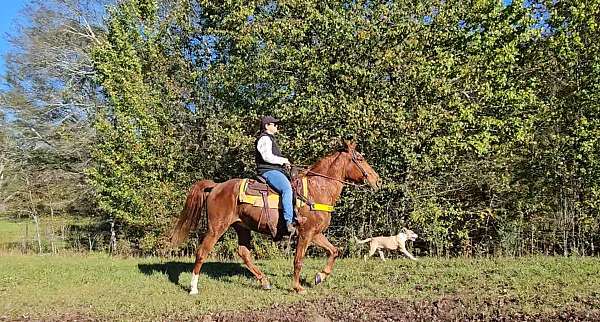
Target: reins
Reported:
[(335, 179), (306, 170)]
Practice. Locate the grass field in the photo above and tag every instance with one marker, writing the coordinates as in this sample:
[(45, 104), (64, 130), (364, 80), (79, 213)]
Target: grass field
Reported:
[(98, 286), (18, 235), (11, 231)]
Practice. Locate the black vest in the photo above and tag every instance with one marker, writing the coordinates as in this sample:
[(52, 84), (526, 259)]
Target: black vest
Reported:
[(263, 166)]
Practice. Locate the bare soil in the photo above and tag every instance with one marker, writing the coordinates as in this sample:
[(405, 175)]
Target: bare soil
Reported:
[(332, 309), (446, 309)]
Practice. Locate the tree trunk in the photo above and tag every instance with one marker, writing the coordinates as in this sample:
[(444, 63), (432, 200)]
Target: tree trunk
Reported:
[(36, 219), (53, 247), (113, 238)]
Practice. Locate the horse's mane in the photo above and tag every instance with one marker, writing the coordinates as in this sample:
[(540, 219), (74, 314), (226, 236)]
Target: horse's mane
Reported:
[(324, 165)]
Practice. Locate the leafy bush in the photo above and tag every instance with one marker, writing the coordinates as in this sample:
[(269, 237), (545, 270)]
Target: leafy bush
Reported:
[(478, 116)]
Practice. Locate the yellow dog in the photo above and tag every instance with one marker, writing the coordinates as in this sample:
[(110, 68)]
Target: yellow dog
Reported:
[(391, 243)]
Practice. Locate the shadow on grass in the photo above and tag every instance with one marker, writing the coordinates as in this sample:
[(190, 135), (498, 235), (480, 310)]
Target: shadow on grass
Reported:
[(214, 270)]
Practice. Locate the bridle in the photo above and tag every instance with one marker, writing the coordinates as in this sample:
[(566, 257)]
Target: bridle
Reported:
[(355, 156), (355, 159)]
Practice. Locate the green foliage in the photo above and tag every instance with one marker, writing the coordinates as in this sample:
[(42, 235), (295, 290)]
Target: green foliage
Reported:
[(139, 155), (481, 118)]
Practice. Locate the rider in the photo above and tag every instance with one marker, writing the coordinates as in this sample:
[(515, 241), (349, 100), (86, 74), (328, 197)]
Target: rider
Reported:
[(270, 164)]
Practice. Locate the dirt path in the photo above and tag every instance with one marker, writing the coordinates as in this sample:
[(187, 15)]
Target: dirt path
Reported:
[(448, 309), (331, 309)]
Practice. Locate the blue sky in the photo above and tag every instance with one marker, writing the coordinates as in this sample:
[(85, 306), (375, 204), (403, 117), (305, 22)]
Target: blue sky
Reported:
[(9, 11)]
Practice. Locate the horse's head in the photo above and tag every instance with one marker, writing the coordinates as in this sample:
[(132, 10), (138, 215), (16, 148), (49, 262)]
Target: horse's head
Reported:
[(357, 168)]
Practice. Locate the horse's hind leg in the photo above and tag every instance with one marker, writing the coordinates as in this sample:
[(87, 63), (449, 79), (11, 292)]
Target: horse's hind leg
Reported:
[(332, 252), (244, 244), (209, 241)]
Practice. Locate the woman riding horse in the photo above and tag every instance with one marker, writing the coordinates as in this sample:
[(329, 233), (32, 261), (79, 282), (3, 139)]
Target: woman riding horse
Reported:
[(325, 180), (270, 165)]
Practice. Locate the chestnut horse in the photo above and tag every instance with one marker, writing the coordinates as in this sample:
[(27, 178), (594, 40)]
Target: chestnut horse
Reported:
[(325, 178)]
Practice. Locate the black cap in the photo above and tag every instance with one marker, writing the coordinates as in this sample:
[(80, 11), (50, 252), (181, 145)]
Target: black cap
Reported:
[(266, 120)]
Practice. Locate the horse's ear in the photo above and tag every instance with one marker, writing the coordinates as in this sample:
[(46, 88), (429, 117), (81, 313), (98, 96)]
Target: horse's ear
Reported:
[(349, 143)]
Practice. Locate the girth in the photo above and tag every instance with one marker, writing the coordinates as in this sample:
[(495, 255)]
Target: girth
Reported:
[(262, 195)]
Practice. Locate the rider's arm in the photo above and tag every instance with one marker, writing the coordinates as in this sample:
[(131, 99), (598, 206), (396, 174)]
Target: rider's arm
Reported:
[(265, 147)]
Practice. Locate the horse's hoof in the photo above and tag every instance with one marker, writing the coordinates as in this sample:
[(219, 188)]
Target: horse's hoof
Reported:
[(264, 283), (300, 291), (319, 278), (194, 291)]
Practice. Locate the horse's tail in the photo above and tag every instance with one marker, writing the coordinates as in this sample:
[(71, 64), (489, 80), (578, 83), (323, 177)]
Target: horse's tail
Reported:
[(362, 241), (192, 211)]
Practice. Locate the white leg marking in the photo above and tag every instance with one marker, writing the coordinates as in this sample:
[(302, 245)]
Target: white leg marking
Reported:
[(194, 284)]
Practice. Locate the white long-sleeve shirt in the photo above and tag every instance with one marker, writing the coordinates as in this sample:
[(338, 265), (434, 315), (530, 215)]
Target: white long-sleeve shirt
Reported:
[(265, 148)]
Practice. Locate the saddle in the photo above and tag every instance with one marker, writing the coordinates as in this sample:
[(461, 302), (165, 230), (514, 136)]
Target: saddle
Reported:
[(259, 194)]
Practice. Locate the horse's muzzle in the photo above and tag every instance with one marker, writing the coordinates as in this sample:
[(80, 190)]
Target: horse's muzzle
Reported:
[(377, 184)]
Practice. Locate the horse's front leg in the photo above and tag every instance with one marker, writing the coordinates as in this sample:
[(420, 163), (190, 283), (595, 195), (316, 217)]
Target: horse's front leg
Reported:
[(303, 242), (332, 252)]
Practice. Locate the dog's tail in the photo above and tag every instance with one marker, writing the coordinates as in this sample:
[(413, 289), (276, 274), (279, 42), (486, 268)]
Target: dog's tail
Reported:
[(362, 241)]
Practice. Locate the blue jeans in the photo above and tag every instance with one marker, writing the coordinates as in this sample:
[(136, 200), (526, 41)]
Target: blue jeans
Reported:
[(280, 183)]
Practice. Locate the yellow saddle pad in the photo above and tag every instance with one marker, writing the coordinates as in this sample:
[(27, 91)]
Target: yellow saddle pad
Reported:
[(251, 196), (257, 200)]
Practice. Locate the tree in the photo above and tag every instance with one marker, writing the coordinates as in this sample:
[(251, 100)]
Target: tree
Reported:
[(141, 151), (465, 109), (50, 98)]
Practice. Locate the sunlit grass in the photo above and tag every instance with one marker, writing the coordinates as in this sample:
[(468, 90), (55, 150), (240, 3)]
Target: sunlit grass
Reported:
[(140, 289), (11, 230), (20, 235)]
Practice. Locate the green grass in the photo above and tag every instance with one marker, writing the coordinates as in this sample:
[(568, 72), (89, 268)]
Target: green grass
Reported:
[(18, 232), (146, 289), (11, 231)]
